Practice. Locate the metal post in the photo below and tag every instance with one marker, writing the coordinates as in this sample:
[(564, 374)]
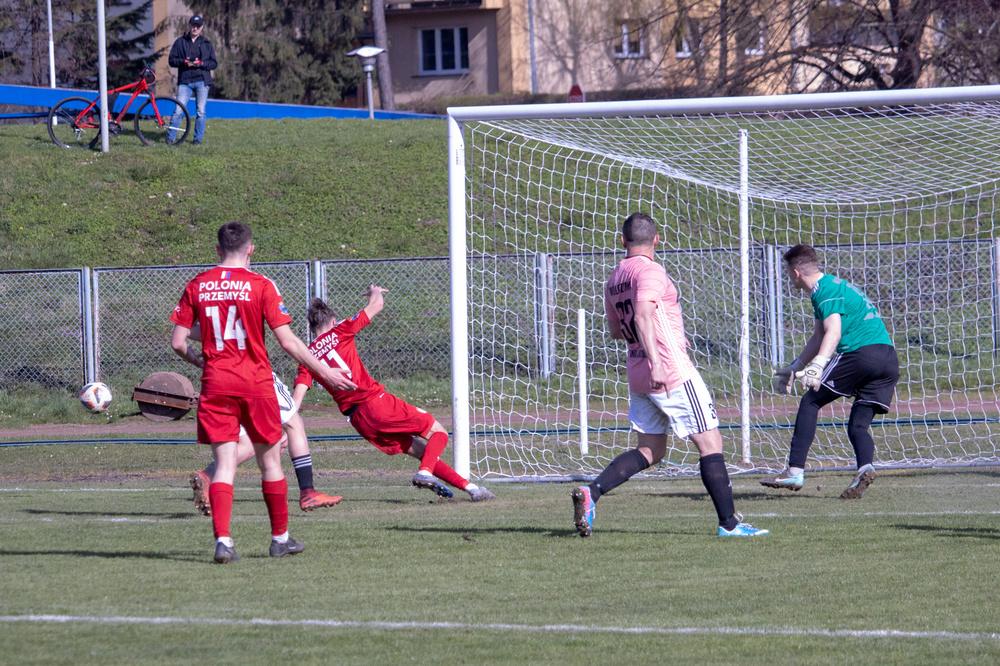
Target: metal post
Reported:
[(368, 81), (457, 254), (87, 309), (533, 62), (745, 297), (544, 326), (581, 368), (772, 282), (318, 280), (996, 297), (52, 48), (102, 74)]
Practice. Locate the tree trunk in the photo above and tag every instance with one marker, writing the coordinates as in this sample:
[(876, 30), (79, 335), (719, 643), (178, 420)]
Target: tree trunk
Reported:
[(382, 60)]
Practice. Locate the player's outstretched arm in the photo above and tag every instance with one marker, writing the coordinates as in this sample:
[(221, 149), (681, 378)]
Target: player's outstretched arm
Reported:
[(375, 300), (179, 342), (298, 394), (828, 331), (297, 349)]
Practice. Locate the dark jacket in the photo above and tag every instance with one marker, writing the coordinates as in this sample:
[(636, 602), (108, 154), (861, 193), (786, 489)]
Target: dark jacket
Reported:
[(184, 48)]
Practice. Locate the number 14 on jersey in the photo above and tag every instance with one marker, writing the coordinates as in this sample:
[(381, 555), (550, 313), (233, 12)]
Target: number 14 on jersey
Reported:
[(233, 329)]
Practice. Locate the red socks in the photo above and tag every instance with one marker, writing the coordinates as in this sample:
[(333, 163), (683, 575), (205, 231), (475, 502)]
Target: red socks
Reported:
[(276, 499), (448, 475), (433, 450), (220, 497)]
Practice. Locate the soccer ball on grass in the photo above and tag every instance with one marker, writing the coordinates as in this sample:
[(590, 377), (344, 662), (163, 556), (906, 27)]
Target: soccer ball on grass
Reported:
[(95, 397)]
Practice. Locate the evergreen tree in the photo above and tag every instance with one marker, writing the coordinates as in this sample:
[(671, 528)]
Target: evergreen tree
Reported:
[(276, 51)]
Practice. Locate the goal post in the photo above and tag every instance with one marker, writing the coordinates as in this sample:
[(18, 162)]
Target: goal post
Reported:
[(898, 190)]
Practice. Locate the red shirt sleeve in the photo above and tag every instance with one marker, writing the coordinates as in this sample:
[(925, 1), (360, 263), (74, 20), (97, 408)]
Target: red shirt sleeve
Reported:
[(354, 325), (303, 377), (183, 314), (275, 312)]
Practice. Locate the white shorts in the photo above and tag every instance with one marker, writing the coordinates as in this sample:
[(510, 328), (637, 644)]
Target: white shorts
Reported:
[(286, 404), (687, 410)]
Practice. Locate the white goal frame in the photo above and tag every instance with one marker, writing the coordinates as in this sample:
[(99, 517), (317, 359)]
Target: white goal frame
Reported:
[(457, 197)]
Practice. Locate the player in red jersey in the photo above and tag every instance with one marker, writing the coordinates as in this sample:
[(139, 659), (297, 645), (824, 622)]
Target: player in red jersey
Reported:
[(391, 424), (231, 304)]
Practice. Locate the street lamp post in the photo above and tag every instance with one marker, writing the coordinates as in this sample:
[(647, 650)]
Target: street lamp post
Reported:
[(367, 55)]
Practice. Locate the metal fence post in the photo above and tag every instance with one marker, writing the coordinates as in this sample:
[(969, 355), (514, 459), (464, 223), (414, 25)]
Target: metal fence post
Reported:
[(995, 282), (88, 307), (544, 326)]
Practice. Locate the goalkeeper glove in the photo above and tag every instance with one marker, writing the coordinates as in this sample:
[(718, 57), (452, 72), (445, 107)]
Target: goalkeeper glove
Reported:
[(781, 382), (813, 373)]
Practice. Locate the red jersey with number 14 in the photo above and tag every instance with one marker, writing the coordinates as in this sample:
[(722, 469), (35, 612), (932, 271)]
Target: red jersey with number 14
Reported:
[(336, 348), (232, 304)]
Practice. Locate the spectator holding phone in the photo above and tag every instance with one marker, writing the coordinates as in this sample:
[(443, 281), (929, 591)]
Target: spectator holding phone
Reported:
[(194, 58)]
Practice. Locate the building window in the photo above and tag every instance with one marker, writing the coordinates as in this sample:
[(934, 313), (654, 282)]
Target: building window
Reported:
[(751, 36), (444, 51), (630, 41), (687, 37)]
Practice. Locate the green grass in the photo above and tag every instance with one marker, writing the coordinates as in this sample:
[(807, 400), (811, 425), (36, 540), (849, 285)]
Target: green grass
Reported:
[(108, 531), (310, 189)]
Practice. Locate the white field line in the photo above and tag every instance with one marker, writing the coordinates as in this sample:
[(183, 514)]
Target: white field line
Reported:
[(510, 628)]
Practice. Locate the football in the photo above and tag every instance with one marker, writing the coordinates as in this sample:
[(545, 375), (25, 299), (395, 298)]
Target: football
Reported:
[(95, 397)]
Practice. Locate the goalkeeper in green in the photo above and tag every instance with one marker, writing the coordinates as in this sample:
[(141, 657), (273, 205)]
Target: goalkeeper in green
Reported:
[(849, 354)]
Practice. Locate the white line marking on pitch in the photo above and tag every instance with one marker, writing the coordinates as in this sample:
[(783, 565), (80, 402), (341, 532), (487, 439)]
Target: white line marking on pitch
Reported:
[(515, 628)]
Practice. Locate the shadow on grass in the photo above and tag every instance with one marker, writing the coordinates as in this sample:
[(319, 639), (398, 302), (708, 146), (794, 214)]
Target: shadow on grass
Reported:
[(954, 532), (114, 514), (700, 496), (112, 555), (469, 533)]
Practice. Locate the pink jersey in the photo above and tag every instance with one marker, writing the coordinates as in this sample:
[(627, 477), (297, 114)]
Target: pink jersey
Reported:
[(639, 278)]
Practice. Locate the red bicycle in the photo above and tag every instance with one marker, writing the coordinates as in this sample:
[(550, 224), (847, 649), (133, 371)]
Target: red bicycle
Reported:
[(75, 121)]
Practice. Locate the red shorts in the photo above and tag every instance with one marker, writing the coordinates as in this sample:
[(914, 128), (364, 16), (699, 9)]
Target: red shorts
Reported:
[(390, 423), (220, 418)]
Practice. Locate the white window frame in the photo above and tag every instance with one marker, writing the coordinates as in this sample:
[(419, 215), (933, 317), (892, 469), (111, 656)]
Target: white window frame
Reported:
[(439, 71), (761, 46), (622, 50), (685, 51)]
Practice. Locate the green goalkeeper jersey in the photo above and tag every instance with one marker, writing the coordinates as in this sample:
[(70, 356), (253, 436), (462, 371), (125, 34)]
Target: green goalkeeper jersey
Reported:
[(860, 324)]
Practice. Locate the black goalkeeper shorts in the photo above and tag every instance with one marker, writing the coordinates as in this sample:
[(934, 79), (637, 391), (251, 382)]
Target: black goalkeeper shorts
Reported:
[(868, 374)]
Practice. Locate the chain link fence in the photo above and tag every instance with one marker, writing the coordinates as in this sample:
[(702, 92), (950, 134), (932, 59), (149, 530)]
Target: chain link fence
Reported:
[(939, 299), (412, 338), (41, 329), (132, 319)]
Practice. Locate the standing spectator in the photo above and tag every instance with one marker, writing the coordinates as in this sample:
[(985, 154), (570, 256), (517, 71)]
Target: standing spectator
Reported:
[(194, 58)]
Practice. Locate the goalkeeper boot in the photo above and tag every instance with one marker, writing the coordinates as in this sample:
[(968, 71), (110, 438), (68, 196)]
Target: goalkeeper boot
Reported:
[(741, 530), (199, 484), (225, 554), (785, 480), (863, 479), (313, 499), (480, 494), (289, 547), (424, 479), (584, 511)]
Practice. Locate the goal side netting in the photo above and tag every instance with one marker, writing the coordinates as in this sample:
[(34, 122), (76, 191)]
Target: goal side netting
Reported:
[(898, 192)]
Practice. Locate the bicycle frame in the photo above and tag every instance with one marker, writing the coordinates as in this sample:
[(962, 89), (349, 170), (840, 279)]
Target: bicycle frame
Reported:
[(138, 87)]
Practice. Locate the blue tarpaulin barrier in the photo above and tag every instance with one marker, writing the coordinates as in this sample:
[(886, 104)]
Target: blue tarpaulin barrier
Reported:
[(217, 108)]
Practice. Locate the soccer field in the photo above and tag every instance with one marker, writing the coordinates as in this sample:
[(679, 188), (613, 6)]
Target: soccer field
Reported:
[(104, 560)]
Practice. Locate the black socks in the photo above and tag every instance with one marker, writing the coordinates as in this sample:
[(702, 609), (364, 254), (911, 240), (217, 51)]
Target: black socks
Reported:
[(716, 480), (621, 469)]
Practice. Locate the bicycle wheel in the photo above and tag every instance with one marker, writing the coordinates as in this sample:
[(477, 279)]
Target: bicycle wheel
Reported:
[(168, 128), (73, 122)]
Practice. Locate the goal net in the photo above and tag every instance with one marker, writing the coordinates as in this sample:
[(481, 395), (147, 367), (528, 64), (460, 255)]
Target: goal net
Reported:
[(898, 191)]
